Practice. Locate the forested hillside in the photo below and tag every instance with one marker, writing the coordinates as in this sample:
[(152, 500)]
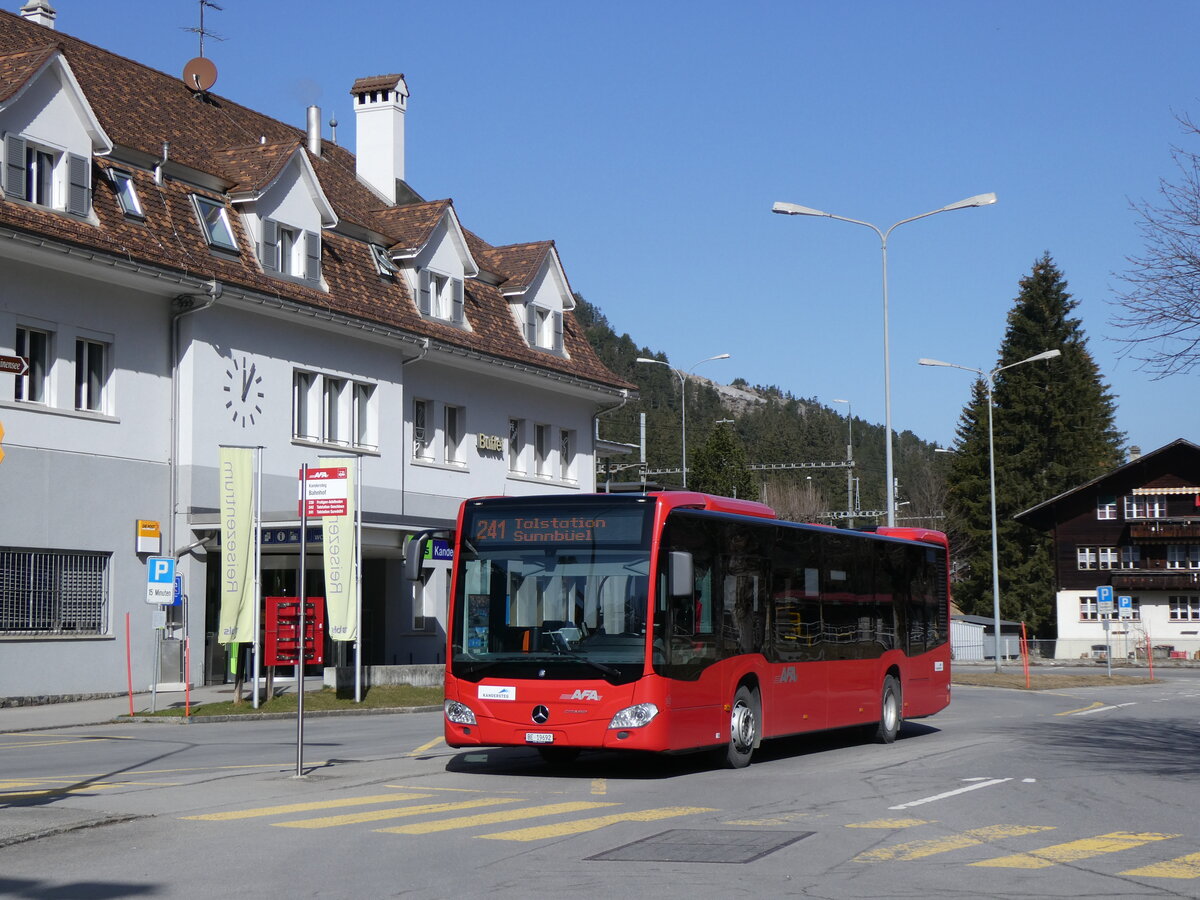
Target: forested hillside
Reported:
[(772, 427)]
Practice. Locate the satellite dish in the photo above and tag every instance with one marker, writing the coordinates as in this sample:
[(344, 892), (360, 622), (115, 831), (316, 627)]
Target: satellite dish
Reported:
[(200, 74)]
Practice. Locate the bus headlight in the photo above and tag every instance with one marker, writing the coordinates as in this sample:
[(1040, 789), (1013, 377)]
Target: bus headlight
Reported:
[(459, 713), (634, 716)]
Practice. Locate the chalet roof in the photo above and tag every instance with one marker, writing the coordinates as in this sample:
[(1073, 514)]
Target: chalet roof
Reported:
[(240, 149), (1040, 516)]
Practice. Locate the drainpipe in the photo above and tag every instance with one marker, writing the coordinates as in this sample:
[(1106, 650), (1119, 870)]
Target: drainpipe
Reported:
[(596, 423)]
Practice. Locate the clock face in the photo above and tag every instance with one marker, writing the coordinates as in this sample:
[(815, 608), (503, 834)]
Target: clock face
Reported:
[(244, 393)]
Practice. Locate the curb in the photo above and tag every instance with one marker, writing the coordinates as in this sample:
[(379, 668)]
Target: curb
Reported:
[(264, 717)]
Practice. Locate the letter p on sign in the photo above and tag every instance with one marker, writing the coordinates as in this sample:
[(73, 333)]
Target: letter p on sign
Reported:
[(160, 579)]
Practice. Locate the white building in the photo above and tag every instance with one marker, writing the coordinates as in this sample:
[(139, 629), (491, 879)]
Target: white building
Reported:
[(181, 273)]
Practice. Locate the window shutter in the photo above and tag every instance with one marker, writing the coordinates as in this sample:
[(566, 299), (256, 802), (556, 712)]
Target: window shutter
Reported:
[(312, 250), (14, 166), (268, 248), (424, 303), (79, 190), (531, 325), (456, 314), (558, 331)]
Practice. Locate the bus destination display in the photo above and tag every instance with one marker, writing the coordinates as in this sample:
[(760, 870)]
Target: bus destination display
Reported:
[(607, 526)]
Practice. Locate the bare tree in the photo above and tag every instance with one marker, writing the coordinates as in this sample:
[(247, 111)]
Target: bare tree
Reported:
[(1161, 306), (794, 502)]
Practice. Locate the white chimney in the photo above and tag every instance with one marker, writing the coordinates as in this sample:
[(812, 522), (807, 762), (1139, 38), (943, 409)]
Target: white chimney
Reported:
[(39, 11), (314, 130), (379, 106)]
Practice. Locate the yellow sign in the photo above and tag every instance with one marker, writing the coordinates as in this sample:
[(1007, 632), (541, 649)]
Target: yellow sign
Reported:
[(149, 536), (148, 528), (1, 441)]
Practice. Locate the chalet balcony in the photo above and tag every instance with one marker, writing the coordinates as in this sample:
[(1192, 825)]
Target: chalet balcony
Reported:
[(1175, 531), (1153, 575)]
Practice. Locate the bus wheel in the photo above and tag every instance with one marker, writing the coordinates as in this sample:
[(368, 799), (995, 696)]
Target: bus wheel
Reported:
[(558, 756), (743, 728), (890, 712)]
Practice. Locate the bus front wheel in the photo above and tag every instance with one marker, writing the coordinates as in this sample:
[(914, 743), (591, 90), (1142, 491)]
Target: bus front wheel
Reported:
[(890, 712), (744, 718)]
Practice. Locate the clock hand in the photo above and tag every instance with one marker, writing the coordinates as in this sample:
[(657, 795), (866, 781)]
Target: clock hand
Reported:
[(247, 380)]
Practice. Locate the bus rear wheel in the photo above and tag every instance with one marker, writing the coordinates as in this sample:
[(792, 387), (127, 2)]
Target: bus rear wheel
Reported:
[(744, 718), (891, 714)]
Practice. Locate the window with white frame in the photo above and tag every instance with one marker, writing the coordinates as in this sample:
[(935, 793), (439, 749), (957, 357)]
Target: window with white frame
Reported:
[(1145, 506), (422, 429), (1107, 557), (91, 375), (516, 445), (1131, 557), (1183, 556), (1106, 507), (293, 252), (47, 176), (453, 428), (383, 263), (214, 219), (541, 450), (566, 454), (544, 328), (1087, 609), (1098, 557), (53, 592), (365, 431), (327, 409), (1184, 608), (1085, 557), (35, 345), (303, 418), (126, 191), (332, 410), (440, 296)]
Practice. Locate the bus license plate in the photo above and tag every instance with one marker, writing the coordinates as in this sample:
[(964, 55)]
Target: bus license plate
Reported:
[(538, 737)]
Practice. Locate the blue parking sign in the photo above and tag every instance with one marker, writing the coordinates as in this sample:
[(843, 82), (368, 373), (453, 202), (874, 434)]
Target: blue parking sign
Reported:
[(1104, 599), (160, 580)]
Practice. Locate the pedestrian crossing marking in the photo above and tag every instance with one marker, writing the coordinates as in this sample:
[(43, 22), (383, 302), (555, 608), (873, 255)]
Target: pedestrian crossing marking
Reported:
[(1183, 867), (932, 846), (508, 815), (399, 812), (305, 807), (579, 826), (1074, 850)]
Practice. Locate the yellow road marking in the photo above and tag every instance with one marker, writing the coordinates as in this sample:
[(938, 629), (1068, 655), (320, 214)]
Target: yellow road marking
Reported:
[(932, 846), (1074, 850), (1071, 712), (1183, 867), (579, 826), (413, 787), (49, 792), (508, 815), (305, 807), (599, 786), (892, 823), (782, 819), (399, 812), (428, 746)]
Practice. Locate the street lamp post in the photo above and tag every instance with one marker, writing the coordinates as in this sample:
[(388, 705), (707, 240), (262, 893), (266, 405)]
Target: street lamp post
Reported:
[(989, 379), (683, 375), (849, 460), (794, 209)]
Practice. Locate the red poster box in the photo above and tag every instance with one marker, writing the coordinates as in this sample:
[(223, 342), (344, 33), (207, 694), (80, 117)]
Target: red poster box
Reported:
[(283, 631)]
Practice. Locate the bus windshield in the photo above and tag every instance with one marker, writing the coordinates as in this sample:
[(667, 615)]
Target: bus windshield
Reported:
[(549, 591)]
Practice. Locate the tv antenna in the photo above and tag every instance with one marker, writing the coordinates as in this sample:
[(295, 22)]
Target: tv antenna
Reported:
[(202, 31), (200, 73)]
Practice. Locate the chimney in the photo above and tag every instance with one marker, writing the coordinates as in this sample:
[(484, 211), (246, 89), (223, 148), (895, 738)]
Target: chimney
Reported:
[(1135, 453), (314, 130), (39, 11), (379, 106)]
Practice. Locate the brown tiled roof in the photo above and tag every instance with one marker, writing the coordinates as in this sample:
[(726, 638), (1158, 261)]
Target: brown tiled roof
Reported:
[(139, 108), (519, 262), (376, 83)]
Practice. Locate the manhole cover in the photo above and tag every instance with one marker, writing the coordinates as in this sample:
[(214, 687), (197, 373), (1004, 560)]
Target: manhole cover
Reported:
[(720, 846)]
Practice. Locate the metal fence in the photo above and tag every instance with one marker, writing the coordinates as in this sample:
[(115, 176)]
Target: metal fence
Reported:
[(53, 592)]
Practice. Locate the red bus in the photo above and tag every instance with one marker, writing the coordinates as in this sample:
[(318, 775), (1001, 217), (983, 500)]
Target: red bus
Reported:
[(681, 621)]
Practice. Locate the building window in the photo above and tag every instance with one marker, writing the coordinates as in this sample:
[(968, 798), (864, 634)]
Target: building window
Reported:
[(34, 385), (516, 445), (302, 415), (1145, 506), (422, 429), (1085, 557), (330, 410), (1106, 507), (1131, 558), (383, 263), (91, 375), (1087, 609), (453, 417), (365, 433), (1185, 608), (566, 454), (1183, 556), (541, 449), (332, 427), (440, 296), (1107, 557), (53, 592), (39, 176), (127, 197), (544, 328), (36, 174), (215, 220)]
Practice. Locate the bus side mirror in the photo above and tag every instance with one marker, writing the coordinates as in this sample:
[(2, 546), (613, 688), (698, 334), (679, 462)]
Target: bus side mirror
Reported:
[(414, 552), (681, 577)]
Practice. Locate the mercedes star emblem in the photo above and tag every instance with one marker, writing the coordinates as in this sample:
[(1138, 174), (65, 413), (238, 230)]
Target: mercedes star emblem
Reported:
[(540, 714)]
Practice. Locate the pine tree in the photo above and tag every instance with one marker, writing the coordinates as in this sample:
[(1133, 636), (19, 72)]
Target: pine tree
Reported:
[(719, 467), (1054, 429)]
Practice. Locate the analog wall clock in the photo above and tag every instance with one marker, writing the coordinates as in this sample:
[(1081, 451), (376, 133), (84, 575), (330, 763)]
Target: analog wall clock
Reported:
[(244, 391)]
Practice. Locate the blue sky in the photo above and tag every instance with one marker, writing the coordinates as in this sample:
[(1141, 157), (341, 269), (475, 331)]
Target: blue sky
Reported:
[(649, 140)]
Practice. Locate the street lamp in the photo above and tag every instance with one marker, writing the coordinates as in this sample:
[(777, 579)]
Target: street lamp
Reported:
[(793, 209), (683, 375), (989, 379), (849, 460)]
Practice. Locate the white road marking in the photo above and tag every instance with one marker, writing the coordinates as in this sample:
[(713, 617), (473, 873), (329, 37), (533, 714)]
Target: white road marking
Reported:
[(1088, 712), (973, 787)]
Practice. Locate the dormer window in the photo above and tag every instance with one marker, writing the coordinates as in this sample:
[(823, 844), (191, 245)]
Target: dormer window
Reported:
[(214, 218), (544, 328), (290, 251), (47, 177), (441, 296), (383, 263), (127, 197)]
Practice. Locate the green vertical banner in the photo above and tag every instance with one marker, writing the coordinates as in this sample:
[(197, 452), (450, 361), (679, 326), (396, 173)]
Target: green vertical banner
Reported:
[(339, 547), (236, 621)]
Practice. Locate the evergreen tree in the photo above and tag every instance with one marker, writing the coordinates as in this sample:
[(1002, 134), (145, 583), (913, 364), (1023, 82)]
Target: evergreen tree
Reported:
[(1054, 429), (719, 467)]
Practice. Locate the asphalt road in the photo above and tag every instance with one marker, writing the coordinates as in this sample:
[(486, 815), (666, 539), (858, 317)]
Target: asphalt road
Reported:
[(1080, 792)]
